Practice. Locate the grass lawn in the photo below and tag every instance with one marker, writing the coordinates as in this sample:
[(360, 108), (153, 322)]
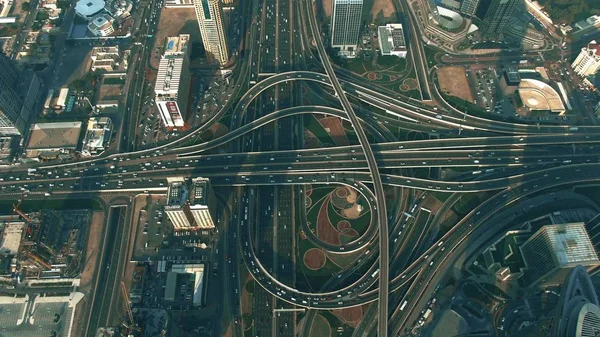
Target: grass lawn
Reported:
[(441, 196), (388, 61), (466, 203), (430, 55), (422, 218), (320, 327)]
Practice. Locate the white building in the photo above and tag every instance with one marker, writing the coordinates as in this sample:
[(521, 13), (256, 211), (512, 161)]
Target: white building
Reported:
[(345, 25), (173, 81), (588, 60), (391, 40), (97, 135), (87, 9), (209, 15), (197, 270), (179, 3), (101, 25)]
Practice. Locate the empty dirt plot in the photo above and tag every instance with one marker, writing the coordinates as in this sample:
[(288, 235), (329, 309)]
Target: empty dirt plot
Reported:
[(453, 82), (91, 252), (333, 125), (385, 7), (314, 259), (350, 316), (175, 21), (325, 230), (327, 7)]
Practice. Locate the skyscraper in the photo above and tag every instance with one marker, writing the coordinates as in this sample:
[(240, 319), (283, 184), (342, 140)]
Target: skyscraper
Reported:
[(554, 250), (345, 24), (469, 7), (18, 94), (209, 16), (497, 15)]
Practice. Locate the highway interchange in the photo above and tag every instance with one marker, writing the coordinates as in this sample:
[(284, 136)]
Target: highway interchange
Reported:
[(513, 160)]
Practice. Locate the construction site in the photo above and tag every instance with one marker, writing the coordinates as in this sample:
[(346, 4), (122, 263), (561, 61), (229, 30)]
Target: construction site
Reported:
[(42, 245)]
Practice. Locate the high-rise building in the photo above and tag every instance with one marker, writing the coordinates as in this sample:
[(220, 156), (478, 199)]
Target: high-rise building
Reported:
[(18, 94), (345, 24), (497, 16), (554, 250), (190, 209), (209, 15), (173, 81), (588, 60), (469, 7)]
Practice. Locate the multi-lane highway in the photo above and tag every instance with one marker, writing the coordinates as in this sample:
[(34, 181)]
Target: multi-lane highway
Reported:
[(264, 158)]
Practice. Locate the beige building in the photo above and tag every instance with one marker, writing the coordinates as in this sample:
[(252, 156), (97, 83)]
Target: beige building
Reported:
[(105, 58), (190, 207), (53, 138), (179, 3), (588, 60), (209, 15)]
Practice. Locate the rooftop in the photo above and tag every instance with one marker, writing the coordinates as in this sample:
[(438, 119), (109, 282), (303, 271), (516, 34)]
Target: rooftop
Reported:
[(537, 95), (169, 75), (594, 46), (100, 22), (54, 135), (20, 318), (391, 37), (570, 243), (89, 7), (176, 44)]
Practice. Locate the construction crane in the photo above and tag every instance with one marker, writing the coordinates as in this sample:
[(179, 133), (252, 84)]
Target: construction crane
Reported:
[(39, 261), (131, 325), (30, 224), (18, 211)]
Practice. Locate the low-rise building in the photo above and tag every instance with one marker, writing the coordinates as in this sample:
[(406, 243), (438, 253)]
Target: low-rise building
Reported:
[(97, 136), (101, 25), (538, 96), (88, 9), (105, 58), (391, 40), (588, 25), (110, 92), (48, 140), (179, 3)]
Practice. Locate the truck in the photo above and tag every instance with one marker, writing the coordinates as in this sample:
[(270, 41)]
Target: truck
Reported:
[(427, 313), (403, 305), (573, 128), (31, 171)]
